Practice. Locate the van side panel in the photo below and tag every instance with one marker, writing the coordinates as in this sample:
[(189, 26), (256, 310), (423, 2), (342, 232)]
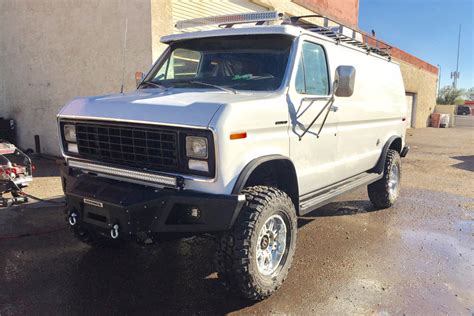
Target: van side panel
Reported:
[(375, 112)]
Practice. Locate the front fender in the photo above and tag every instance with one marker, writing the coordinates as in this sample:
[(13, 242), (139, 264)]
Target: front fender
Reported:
[(282, 174), (251, 167)]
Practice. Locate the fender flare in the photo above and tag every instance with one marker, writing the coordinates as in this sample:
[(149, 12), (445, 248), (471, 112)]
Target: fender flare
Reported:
[(379, 167), (250, 168)]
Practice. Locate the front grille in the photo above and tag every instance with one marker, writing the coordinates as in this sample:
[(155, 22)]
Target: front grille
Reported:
[(145, 147)]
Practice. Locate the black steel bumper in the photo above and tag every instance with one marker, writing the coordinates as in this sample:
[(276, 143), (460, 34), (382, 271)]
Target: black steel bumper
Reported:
[(101, 203)]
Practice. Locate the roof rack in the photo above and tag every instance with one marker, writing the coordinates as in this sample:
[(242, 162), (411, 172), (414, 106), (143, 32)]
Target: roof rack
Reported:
[(329, 27), (342, 34)]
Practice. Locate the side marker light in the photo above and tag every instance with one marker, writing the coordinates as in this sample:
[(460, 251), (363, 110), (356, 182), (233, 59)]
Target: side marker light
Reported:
[(238, 135)]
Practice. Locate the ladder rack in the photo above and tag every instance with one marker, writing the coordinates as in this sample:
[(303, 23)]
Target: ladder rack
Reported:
[(329, 28), (339, 31)]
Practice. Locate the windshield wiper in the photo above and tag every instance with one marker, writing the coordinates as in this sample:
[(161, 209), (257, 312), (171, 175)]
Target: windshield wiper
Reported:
[(151, 83), (214, 86)]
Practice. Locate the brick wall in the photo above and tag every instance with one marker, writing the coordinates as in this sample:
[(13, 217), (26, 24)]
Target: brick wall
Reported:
[(345, 11), (399, 54), (415, 61)]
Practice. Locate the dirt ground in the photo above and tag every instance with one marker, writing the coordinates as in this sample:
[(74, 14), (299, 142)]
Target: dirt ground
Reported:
[(415, 258)]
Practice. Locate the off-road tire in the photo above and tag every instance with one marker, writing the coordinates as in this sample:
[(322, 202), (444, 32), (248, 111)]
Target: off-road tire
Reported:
[(95, 239), (236, 253), (379, 192)]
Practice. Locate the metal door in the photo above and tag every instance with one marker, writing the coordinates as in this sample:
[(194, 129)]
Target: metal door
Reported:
[(314, 155), (411, 99)]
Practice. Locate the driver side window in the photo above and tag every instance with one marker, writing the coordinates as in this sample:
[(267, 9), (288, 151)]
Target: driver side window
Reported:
[(181, 64), (312, 75)]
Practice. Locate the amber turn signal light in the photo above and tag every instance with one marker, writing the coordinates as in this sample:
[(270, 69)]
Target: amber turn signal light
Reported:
[(238, 135)]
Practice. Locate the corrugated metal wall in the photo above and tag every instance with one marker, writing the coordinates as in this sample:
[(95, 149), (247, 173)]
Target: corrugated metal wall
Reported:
[(191, 9)]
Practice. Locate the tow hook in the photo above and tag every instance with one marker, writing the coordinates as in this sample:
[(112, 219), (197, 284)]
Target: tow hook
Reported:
[(72, 219), (114, 232)]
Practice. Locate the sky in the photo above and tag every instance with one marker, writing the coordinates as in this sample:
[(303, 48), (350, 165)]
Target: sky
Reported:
[(427, 29)]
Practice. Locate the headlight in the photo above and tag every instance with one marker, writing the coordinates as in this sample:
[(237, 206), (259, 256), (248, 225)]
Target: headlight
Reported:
[(196, 147), (70, 133)]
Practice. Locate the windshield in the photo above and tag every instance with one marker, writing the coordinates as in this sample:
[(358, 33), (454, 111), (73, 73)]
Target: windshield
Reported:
[(229, 63)]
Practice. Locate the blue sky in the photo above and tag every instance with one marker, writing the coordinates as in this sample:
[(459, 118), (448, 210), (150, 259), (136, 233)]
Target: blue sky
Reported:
[(427, 29)]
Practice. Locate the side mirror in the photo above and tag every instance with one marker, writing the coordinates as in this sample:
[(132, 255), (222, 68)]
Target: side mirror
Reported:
[(138, 77), (344, 81)]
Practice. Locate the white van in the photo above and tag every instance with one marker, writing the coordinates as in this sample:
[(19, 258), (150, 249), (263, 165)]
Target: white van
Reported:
[(236, 132)]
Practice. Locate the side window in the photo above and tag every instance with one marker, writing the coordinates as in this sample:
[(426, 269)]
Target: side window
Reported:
[(312, 75), (182, 64)]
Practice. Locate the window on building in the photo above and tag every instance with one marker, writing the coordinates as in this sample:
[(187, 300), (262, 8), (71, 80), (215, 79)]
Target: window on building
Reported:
[(312, 75)]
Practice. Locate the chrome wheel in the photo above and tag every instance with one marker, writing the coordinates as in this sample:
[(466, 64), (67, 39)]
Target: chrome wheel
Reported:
[(271, 245), (394, 182)]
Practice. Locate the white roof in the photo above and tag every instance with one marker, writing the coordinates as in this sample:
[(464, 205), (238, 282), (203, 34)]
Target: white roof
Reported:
[(274, 29)]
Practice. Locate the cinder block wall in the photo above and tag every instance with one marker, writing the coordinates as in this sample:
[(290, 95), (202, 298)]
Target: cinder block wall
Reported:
[(54, 50), (161, 24)]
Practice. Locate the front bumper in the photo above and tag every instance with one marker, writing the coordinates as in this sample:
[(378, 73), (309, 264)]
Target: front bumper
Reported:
[(100, 204)]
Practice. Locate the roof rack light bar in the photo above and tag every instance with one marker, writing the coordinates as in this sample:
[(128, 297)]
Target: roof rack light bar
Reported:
[(231, 19)]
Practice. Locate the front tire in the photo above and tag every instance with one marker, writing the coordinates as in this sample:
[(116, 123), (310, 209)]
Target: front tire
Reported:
[(384, 192), (254, 258)]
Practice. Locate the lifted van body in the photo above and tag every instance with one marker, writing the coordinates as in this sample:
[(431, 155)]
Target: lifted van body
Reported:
[(236, 131)]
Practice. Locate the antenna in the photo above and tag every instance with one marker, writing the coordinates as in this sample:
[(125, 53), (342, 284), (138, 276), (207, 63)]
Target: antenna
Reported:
[(455, 75), (123, 55)]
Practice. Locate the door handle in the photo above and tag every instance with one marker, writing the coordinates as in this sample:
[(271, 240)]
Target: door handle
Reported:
[(334, 108)]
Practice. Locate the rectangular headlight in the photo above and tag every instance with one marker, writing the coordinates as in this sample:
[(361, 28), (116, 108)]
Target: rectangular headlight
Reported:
[(70, 133), (196, 147)]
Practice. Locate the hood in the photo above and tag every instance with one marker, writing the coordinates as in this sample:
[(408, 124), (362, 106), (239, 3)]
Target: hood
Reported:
[(189, 107)]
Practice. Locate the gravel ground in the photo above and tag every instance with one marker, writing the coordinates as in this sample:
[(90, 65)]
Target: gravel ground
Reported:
[(415, 258)]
